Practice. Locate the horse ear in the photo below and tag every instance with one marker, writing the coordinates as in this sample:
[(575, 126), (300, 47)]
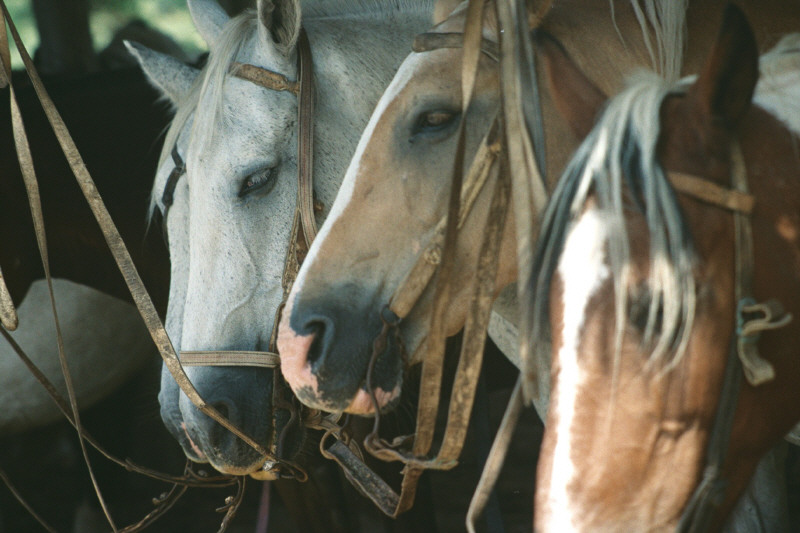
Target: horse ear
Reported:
[(724, 89), (281, 20), (169, 75), (577, 99), (209, 18), (442, 9)]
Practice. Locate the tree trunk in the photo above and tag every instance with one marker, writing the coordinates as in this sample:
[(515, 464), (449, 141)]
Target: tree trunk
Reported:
[(65, 42)]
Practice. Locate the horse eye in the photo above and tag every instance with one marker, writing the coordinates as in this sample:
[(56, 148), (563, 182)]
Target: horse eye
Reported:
[(260, 182), (434, 121)]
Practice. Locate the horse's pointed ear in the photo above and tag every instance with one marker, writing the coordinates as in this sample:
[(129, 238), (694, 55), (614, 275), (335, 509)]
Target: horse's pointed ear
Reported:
[(577, 99), (209, 18), (169, 75), (443, 8), (281, 20), (724, 89)]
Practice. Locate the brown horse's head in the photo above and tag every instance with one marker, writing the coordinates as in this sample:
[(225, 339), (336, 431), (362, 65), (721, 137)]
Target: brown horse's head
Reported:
[(641, 280)]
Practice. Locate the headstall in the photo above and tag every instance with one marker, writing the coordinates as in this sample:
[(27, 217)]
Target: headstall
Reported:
[(743, 358), (303, 231)]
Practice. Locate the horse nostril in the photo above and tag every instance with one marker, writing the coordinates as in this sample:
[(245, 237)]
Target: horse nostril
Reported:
[(321, 328)]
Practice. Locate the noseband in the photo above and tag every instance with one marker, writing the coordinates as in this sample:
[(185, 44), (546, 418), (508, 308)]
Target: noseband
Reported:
[(304, 229)]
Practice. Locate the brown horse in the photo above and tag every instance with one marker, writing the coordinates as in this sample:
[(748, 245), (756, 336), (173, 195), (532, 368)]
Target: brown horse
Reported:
[(642, 283)]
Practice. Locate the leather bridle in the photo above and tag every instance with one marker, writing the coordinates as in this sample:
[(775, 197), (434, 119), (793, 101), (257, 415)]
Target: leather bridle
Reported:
[(304, 229), (743, 359), (435, 263)]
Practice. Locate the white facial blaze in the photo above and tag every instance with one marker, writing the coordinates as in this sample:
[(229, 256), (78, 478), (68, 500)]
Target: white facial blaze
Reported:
[(583, 270), (401, 79)]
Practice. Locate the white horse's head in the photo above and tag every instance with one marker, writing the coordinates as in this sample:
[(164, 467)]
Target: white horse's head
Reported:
[(229, 225)]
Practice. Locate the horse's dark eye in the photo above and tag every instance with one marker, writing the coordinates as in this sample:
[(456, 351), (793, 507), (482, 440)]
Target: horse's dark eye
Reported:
[(260, 182), (434, 121)]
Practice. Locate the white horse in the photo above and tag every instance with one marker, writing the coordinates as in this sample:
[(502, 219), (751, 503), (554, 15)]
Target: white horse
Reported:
[(229, 225)]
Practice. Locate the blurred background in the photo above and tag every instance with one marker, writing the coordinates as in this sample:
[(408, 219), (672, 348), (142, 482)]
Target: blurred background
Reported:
[(71, 36)]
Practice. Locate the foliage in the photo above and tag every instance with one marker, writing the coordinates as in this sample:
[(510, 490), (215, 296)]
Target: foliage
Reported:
[(107, 16)]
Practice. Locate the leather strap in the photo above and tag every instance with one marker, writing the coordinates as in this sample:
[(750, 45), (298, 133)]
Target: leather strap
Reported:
[(265, 78), (710, 492), (711, 193), (431, 41), (168, 196), (530, 190), (8, 314), (304, 213), (496, 458), (305, 143), (438, 257), (418, 278), (230, 358), (32, 188)]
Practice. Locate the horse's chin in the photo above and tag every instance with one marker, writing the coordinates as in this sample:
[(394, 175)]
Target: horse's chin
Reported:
[(364, 403), (190, 449)]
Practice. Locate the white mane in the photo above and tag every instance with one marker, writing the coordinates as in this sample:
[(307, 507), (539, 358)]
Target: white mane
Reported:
[(778, 89), (617, 164), (668, 23), (211, 79)]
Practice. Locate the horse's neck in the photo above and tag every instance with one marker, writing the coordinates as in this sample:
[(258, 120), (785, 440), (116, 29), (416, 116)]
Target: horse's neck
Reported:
[(607, 50)]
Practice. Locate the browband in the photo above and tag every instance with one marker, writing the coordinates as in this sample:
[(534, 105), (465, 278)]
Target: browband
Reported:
[(428, 42)]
